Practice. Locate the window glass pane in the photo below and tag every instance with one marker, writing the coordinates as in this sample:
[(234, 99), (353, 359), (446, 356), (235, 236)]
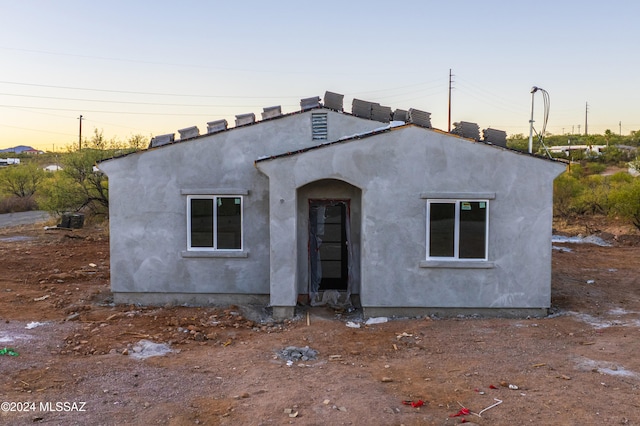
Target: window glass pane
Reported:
[(473, 226), (201, 222), (441, 229), (229, 211)]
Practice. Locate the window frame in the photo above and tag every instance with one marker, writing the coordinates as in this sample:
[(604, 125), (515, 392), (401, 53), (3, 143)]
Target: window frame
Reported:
[(214, 198), (457, 202)]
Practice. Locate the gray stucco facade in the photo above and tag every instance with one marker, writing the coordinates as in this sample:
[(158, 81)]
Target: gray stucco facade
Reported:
[(385, 177)]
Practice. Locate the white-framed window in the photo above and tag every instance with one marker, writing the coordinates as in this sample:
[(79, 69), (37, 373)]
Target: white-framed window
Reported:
[(214, 222), (457, 229)]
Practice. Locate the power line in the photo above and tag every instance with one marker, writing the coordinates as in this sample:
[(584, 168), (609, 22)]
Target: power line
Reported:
[(129, 92), (112, 112), (36, 130), (122, 102)]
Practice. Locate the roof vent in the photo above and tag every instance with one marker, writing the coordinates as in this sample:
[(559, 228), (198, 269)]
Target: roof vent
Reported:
[(162, 140), (319, 129), (216, 126), (270, 112), (189, 132), (333, 100), (380, 113), (419, 118), (361, 108), (495, 137), (244, 119), (309, 103), (401, 115), (467, 130)]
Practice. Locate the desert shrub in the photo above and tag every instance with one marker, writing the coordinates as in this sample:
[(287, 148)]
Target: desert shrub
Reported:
[(566, 188), (13, 204), (594, 199), (625, 201)]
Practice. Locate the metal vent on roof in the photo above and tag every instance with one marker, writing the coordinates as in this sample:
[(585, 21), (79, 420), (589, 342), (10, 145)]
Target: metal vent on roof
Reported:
[(189, 132), (495, 137), (162, 140), (361, 108), (466, 130), (401, 115), (244, 119), (319, 129), (380, 113), (308, 103), (216, 126), (333, 100), (419, 118), (270, 112)]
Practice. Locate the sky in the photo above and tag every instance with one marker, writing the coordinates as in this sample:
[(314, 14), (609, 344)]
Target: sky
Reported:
[(153, 67)]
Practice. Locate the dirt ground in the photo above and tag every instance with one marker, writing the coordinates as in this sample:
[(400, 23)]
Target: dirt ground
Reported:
[(79, 358)]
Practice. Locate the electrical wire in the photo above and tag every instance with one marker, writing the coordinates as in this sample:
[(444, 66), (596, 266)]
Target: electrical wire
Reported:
[(128, 92), (545, 118), (126, 102)]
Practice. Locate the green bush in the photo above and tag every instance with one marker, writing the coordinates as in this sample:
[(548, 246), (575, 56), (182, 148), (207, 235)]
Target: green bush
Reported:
[(566, 188), (625, 200)]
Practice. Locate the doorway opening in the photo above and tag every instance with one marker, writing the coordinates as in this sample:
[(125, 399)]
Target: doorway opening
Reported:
[(329, 250)]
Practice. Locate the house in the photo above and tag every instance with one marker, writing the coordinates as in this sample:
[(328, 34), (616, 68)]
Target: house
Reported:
[(400, 218)]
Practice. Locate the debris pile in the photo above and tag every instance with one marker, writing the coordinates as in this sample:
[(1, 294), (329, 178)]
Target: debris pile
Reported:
[(295, 354)]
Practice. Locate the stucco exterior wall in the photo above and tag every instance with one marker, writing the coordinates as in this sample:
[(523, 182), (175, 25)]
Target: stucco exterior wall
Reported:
[(148, 204), (397, 172)]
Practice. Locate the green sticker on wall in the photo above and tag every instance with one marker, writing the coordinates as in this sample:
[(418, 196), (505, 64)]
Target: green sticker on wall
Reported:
[(465, 206)]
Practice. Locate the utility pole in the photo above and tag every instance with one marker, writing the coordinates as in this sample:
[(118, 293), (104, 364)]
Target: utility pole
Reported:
[(586, 111), (80, 134), (449, 122), (620, 127), (534, 89), (578, 129)]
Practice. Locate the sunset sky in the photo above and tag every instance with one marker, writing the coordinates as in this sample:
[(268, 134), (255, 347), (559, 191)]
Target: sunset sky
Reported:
[(153, 67)]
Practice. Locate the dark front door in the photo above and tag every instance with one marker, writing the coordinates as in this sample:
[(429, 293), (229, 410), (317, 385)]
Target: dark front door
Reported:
[(328, 249)]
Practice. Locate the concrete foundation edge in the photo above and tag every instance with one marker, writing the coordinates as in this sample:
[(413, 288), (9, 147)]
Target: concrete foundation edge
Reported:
[(288, 312), (283, 312), (190, 299), (411, 312)]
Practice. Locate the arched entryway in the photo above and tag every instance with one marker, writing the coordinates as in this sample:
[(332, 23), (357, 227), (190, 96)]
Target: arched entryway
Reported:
[(329, 225)]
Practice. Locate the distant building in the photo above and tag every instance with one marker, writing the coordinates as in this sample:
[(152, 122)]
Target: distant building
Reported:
[(32, 151), (9, 161)]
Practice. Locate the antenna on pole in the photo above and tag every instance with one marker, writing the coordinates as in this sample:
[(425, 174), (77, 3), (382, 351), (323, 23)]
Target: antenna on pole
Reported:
[(80, 134)]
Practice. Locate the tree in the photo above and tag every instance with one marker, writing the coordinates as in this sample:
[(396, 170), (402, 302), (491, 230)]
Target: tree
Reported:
[(137, 142), (21, 181), (79, 186)]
